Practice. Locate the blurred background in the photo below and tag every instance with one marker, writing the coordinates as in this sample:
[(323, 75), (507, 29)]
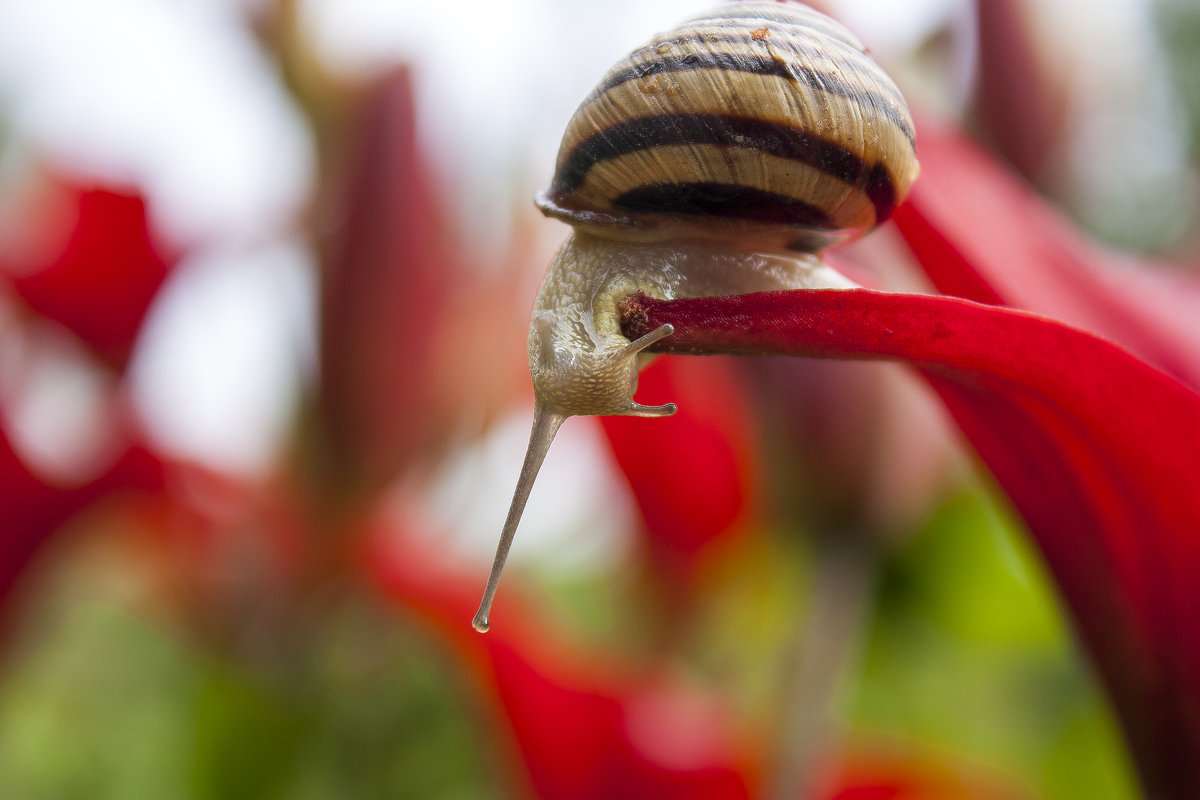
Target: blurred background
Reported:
[(265, 275)]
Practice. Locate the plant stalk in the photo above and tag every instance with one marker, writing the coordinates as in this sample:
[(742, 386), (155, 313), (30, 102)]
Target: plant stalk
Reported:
[(823, 652)]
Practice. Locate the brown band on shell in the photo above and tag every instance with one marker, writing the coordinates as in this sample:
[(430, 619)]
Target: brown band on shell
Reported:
[(732, 132), (726, 201), (648, 61)]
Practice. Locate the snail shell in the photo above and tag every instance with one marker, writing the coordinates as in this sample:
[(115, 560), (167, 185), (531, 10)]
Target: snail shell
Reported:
[(720, 158), (759, 121)]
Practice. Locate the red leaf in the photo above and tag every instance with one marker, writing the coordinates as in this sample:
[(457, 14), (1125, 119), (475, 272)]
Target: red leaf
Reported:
[(100, 278), (1096, 449)]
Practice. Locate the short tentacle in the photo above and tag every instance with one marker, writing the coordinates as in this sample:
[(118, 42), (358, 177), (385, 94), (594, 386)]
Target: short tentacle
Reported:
[(636, 409), (639, 410), (642, 342)]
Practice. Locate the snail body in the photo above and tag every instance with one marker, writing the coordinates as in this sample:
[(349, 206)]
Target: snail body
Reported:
[(581, 363), (718, 159)]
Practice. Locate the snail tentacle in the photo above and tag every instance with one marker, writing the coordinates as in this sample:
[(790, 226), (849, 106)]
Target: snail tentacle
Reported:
[(545, 426)]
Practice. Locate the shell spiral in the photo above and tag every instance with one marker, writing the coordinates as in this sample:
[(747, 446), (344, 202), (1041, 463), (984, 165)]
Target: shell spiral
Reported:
[(761, 121)]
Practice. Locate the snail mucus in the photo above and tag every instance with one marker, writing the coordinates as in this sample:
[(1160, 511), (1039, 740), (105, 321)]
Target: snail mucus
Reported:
[(720, 158)]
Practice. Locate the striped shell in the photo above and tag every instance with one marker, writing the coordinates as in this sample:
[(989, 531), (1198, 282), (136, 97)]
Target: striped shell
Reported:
[(760, 120)]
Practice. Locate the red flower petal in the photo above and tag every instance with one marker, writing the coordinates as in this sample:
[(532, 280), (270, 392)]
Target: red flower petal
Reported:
[(100, 280), (1096, 449), (981, 234), (694, 474)]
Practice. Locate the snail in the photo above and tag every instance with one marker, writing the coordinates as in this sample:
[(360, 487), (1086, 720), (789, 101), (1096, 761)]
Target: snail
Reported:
[(720, 158)]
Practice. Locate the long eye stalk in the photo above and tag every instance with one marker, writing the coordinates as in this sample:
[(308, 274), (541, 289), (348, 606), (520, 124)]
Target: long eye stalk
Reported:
[(546, 422), (545, 426)]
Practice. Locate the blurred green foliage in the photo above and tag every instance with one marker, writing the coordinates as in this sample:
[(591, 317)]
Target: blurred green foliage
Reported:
[(1179, 27), (104, 706), (970, 655), (967, 655)]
